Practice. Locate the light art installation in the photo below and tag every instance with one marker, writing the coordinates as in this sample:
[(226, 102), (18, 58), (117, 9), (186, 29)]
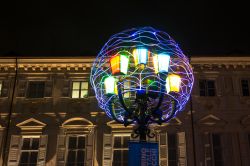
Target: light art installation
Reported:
[(141, 65)]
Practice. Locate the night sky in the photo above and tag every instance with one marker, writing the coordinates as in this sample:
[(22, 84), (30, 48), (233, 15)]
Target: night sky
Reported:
[(81, 29)]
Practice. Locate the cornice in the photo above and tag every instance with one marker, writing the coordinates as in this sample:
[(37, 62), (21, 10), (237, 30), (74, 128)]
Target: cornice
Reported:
[(85, 63), (220, 62)]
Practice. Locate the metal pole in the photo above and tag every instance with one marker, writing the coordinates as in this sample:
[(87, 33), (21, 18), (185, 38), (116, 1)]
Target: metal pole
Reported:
[(192, 124), (5, 151)]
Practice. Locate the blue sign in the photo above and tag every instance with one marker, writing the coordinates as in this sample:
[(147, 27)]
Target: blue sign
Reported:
[(143, 154)]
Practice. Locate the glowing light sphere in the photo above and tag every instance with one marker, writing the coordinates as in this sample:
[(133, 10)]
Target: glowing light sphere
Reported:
[(141, 61)]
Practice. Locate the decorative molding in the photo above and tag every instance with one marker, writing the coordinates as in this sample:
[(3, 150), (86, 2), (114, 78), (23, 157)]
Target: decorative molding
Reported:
[(78, 122), (114, 125), (211, 120), (31, 125)]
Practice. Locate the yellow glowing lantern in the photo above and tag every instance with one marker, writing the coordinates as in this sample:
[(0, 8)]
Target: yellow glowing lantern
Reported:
[(173, 83), (110, 85), (119, 64)]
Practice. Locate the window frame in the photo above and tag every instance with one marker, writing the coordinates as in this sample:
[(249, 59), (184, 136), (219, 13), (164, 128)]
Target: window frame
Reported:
[(31, 137), (206, 89), (79, 90), (76, 149), (120, 148), (28, 89), (248, 84)]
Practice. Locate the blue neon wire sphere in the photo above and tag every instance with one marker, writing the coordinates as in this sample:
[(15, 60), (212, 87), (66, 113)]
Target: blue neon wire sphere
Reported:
[(146, 79)]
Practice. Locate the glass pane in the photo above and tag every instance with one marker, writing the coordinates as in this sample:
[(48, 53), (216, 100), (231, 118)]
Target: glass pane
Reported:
[(71, 157), (24, 157), (202, 86), (172, 163), (211, 92), (75, 93), (125, 141), (80, 156), (117, 142), (26, 144), (245, 88), (33, 157), (172, 141), (36, 89), (84, 93), (35, 144), (81, 142), (216, 140), (76, 85), (125, 156), (202, 92), (40, 89), (117, 156), (84, 85), (210, 84), (172, 154), (72, 142)]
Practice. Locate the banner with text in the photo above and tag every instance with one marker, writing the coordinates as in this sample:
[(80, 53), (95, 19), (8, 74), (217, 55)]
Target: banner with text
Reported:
[(143, 154)]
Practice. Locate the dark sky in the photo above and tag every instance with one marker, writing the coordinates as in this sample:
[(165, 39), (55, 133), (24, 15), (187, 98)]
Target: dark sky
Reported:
[(77, 29)]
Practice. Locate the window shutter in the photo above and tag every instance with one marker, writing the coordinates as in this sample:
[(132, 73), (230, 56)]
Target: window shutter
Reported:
[(48, 89), (5, 88), (107, 150), (182, 149), (22, 84), (61, 149), (89, 149), (15, 143), (42, 150), (66, 88), (163, 149), (207, 148)]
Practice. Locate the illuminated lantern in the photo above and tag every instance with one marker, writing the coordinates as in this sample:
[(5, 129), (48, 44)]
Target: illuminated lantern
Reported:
[(119, 64), (140, 56), (110, 85), (161, 62), (173, 82)]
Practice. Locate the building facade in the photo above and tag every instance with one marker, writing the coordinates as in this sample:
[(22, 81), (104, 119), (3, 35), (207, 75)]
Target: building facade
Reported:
[(49, 116)]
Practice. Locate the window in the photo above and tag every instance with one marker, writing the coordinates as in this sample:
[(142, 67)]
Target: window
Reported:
[(79, 89), (29, 151), (172, 150), (76, 151), (1, 84), (207, 87), (36, 89), (120, 151), (217, 150), (245, 87)]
